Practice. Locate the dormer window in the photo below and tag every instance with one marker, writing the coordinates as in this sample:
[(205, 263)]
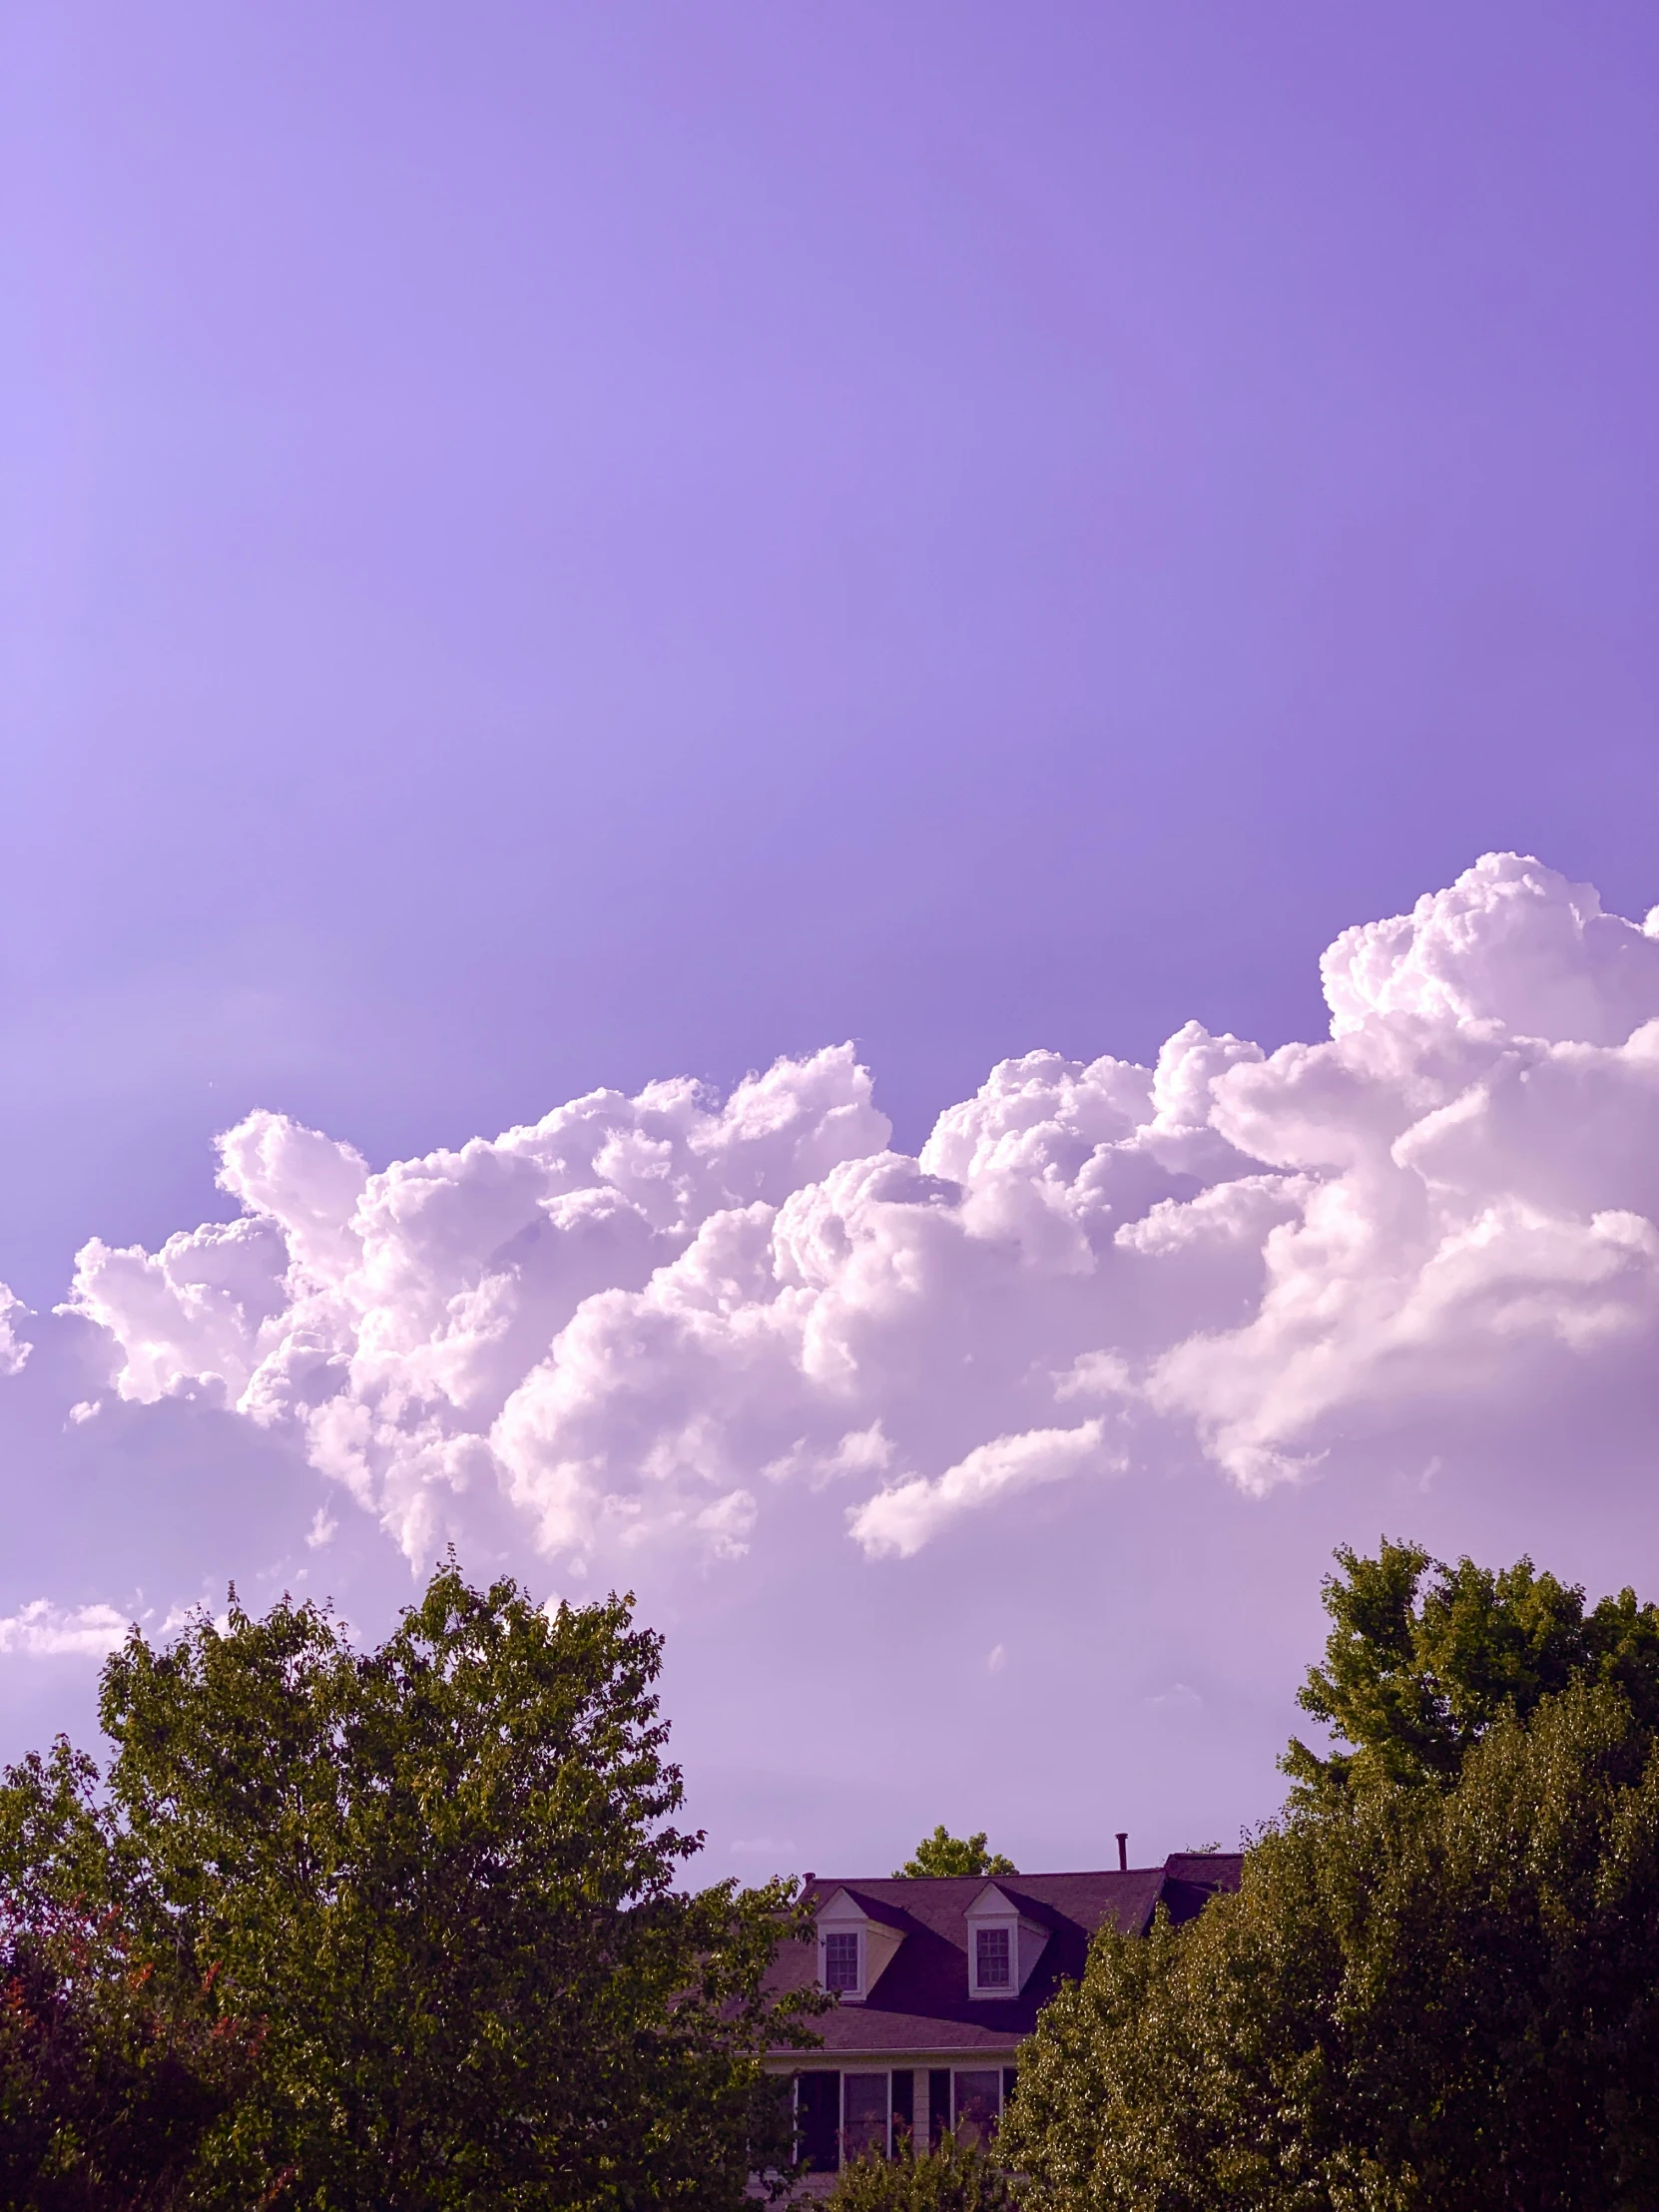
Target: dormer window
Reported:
[(1004, 1943), (856, 1940), (996, 1968), (840, 1962)]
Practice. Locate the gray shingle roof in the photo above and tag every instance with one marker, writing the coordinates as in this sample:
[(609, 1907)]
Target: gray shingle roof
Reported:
[(921, 2001)]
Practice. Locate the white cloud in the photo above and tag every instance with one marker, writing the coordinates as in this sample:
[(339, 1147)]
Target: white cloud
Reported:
[(1178, 1698), (641, 1322), (902, 1518), (14, 1348), (40, 1630)]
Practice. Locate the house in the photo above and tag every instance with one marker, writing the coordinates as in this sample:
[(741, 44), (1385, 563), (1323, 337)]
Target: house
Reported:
[(939, 1980)]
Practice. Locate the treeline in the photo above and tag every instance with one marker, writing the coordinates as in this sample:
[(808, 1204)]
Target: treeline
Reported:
[(397, 1929), (1438, 1987), (400, 1929)]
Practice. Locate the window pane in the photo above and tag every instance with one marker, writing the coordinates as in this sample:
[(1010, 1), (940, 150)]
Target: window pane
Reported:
[(978, 2102), (994, 1958), (904, 2104), (865, 2124), (938, 2104), (818, 2113), (840, 1961)]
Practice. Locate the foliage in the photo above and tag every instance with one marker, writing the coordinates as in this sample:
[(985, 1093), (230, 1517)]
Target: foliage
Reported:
[(952, 2177), (945, 1853), (108, 2075), (1422, 1658), (436, 1879), (1438, 1993), (106, 2078)]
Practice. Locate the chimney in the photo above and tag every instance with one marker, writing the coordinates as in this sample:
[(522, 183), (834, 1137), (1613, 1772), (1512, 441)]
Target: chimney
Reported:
[(1123, 1851), (807, 1880)]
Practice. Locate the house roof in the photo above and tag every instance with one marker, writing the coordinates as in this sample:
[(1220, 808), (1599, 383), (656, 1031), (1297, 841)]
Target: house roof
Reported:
[(921, 2001)]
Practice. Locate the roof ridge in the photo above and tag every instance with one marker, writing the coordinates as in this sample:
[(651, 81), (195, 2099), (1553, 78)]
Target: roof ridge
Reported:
[(1057, 1874)]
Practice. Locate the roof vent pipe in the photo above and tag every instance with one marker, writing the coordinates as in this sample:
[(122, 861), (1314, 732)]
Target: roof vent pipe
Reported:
[(1123, 1851)]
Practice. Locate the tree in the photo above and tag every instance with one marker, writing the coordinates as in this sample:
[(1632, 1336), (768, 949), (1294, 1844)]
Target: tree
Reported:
[(1439, 1991), (1422, 1658), (945, 1853), (108, 2073), (438, 1878)]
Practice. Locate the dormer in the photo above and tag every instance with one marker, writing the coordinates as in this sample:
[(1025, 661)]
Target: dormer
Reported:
[(1004, 1945), (855, 1943)]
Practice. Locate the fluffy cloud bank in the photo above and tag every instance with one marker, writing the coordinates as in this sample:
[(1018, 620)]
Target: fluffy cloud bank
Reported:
[(14, 1346), (640, 1319), (40, 1630)]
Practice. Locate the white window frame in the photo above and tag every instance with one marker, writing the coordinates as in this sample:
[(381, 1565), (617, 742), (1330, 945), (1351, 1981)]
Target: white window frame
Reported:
[(885, 2073), (1009, 1923), (955, 2116), (858, 1935), (1009, 1985)]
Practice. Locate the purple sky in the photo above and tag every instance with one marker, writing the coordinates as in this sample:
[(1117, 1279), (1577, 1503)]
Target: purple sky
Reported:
[(557, 548)]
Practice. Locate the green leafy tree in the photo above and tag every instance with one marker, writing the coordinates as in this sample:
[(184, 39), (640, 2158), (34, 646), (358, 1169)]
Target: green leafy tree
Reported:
[(1438, 1992), (1422, 1658), (945, 1853), (110, 2073), (435, 1883), (952, 2177)]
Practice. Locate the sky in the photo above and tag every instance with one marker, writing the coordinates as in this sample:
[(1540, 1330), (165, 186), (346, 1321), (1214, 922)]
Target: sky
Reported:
[(688, 697)]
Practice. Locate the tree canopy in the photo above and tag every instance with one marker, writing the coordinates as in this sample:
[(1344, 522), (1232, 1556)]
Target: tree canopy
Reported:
[(427, 1891), (1422, 1658), (945, 1853), (108, 2077), (1438, 1985)]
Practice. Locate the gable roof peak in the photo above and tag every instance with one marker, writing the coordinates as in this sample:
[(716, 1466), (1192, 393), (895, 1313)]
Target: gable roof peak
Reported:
[(992, 1887)]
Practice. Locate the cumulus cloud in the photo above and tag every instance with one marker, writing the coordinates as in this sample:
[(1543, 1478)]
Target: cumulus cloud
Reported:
[(641, 1321), (901, 1519), (14, 1347), (40, 1630)]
